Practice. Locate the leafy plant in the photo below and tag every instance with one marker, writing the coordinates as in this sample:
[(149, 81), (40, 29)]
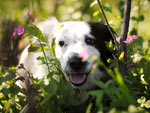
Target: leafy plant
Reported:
[(130, 94)]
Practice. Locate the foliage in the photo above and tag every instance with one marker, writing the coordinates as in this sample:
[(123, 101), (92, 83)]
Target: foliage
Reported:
[(130, 94)]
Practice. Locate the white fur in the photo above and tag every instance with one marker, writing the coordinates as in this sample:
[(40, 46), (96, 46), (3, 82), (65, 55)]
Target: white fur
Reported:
[(73, 34)]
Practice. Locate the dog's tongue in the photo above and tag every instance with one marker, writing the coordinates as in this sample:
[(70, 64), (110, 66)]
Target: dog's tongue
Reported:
[(77, 79)]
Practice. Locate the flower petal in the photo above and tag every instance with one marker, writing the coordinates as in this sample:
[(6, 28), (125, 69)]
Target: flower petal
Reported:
[(84, 52)]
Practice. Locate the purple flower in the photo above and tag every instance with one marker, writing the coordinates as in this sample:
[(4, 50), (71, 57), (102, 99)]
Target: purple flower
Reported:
[(28, 15), (18, 31), (130, 64)]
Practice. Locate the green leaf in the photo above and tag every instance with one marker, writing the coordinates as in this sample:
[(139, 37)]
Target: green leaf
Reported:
[(110, 44), (141, 100), (108, 83), (52, 87), (100, 84), (140, 18), (121, 7), (147, 104), (95, 13), (93, 4), (88, 110), (35, 31), (53, 46), (82, 96), (123, 88), (34, 47), (107, 7), (139, 41), (99, 95), (55, 31), (121, 56)]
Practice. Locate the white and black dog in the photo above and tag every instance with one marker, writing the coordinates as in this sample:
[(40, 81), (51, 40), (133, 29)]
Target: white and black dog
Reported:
[(78, 46)]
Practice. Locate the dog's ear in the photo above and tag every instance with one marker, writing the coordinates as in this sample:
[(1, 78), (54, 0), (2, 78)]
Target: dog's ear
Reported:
[(102, 35)]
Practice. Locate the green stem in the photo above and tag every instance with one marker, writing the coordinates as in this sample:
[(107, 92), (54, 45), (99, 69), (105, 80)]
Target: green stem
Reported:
[(44, 55)]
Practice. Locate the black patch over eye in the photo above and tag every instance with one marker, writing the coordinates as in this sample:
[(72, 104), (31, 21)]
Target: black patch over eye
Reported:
[(61, 43), (89, 40)]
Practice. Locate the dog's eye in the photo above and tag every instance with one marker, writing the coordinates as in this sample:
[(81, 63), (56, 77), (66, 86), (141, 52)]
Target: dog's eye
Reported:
[(61, 43), (89, 41)]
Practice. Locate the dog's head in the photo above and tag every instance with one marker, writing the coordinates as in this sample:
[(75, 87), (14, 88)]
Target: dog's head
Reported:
[(79, 46)]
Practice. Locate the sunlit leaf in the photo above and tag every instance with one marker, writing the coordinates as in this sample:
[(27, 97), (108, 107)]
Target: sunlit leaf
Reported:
[(110, 43), (55, 31), (93, 3), (35, 31), (95, 13), (121, 56), (88, 110), (34, 47), (141, 100), (147, 104)]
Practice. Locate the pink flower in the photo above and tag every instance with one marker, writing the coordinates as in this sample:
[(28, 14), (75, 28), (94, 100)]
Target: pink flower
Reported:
[(84, 52), (118, 39), (128, 40), (134, 37), (131, 38), (18, 31)]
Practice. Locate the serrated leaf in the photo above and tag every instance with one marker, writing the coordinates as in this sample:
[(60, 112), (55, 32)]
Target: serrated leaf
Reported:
[(121, 56)]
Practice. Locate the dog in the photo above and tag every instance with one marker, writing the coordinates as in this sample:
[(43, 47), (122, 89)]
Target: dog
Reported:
[(80, 46)]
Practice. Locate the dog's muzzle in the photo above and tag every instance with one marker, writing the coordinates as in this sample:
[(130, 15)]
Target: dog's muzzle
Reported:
[(77, 70)]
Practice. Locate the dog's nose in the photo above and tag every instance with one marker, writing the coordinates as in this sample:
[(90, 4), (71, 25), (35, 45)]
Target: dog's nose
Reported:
[(76, 63)]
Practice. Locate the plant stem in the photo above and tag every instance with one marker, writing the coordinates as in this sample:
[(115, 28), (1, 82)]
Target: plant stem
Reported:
[(108, 26), (124, 33), (44, 55)]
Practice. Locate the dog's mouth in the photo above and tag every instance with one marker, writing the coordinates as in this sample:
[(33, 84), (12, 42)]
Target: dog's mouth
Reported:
[(78, 78)]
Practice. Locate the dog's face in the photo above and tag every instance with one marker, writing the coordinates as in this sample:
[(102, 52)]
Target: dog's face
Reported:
[(79, 46)]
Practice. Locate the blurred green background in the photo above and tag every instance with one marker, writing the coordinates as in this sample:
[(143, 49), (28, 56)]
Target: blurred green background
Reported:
[(84, 10)]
